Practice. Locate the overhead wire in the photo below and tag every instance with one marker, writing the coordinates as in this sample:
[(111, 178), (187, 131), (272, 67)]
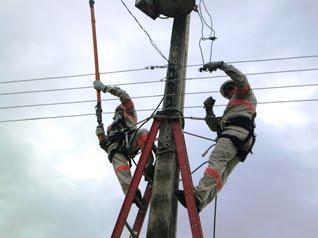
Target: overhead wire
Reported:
[(151, 68), (151, 109), (150, 39), (152, 96), (159, 81), (210, 26)]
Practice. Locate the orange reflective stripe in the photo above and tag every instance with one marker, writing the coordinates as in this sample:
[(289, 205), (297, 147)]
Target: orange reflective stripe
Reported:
[(141, 140), (121, 168), (242, 102), (215, 174), (128, 105)]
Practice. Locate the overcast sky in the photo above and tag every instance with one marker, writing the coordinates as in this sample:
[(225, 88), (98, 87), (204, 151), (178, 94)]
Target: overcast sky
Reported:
[(55, 180)]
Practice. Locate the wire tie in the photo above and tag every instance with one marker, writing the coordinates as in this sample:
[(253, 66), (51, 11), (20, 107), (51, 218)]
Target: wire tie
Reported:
[(213, 38)]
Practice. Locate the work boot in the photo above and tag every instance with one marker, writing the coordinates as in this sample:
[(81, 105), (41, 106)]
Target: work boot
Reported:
[(138, 200), (149, 173), (181, 198)]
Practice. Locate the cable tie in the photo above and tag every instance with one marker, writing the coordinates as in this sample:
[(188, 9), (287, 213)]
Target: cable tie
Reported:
[(213, 38), (152, 67)]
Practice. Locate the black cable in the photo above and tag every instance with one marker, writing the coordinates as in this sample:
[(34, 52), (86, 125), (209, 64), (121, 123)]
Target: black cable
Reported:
[(151, 109), (215, 206), (197, 168), (147, 119), (150, 39), (212, 31), (80, 88), (260, 60), (198, 136), (160, 81), (151, 68), (81, 75), (202, 34), (151, 96)]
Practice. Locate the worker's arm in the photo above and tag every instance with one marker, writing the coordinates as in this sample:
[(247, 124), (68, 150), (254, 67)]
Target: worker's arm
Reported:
[(124, 98), (237, 76), (100, 133), (211, 120)]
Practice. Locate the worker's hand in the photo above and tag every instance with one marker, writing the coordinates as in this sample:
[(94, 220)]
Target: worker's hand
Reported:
[(212, 66), (100, 130), (209, 102), (99, 86)]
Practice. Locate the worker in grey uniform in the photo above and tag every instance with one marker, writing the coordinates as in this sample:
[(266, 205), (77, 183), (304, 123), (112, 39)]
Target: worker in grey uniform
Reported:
[(123, 140), (235, 133)]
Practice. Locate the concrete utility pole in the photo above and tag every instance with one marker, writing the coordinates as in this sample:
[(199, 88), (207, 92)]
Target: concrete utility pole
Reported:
[(164, 204)]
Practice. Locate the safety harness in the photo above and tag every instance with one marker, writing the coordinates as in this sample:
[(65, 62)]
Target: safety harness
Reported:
[(121, 134), (245, 123)]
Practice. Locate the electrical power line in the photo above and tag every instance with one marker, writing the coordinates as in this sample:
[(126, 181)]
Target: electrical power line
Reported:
[(152, 68), (210, 27), (151, 109), (159, 81), (152, 96), (147, 34)]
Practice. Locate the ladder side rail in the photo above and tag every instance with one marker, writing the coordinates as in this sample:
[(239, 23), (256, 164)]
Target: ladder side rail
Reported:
[(184, 166), (124, 211)]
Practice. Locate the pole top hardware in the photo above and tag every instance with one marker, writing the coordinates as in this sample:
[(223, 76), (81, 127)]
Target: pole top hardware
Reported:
[(169, 8), (175, 8)]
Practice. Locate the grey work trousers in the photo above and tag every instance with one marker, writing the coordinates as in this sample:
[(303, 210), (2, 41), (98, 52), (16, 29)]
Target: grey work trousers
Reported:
[(121, 164), (222, 161)]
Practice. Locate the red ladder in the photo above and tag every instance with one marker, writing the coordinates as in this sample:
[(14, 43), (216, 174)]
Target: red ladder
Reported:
[(186, 180)]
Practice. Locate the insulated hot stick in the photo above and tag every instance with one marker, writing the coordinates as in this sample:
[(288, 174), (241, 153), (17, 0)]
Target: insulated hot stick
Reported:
[(98, 107)]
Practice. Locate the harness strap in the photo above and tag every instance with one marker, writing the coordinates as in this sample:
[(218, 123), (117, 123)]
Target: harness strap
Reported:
[(119, 151), (240, 121), (247, 124)]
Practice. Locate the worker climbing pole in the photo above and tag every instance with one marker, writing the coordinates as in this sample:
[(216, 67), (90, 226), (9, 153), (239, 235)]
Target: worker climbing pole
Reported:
[(123, 140)]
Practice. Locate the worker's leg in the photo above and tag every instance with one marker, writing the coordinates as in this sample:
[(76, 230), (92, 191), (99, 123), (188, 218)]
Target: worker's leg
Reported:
[(139, 143), (122, 170), (229, 167), (220, 165)]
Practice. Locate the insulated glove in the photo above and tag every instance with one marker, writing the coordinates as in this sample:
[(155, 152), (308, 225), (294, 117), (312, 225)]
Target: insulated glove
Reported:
[(100, 130), (99, 86), (209, 102), (212, 66)]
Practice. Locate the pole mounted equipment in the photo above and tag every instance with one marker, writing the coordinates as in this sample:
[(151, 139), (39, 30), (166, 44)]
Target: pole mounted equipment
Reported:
[(175, 8), (169, 8)]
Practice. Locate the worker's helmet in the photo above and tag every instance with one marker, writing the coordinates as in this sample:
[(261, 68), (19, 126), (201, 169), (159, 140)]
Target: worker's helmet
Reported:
[(119, 110), (226, 86)]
